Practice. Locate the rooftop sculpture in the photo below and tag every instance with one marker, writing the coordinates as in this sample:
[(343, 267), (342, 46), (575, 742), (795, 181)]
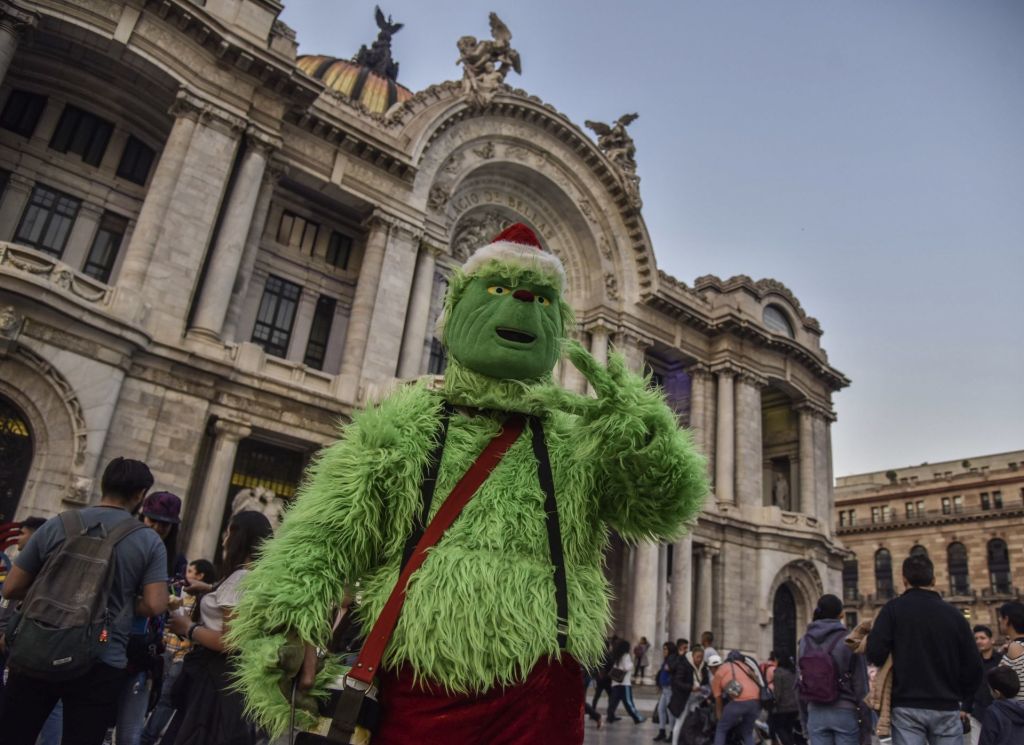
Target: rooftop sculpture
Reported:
[(485, 63)]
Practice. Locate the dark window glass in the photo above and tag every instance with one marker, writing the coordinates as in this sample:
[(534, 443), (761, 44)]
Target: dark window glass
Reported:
[(851, 619), (297, 232), (136, 160), (997, 500), (985, 503), (777, 321), (910, 510), (22, 111), (946, 508), (105, 246), (959, 583), (4, 178), (851, 578), (999, 567), (46, 222), (919, 550), (438, 359), (883, 574), (82, 133), (320, 332), (276, 315), (339, 250)]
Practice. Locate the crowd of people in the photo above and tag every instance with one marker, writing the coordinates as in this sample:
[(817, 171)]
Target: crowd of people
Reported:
[(131, 652)]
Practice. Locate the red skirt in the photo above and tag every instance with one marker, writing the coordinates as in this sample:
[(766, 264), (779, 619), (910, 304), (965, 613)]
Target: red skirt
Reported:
[(545, 709)]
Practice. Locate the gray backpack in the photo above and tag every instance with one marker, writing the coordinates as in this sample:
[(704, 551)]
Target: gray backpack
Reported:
[(63, 623)]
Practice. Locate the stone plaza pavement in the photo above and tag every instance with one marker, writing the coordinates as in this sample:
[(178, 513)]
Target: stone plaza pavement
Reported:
[(624, 732)]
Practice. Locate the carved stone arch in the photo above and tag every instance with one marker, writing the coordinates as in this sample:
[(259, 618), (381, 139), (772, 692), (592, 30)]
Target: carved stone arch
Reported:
[(482, 148), (58, 428), (804, 581)]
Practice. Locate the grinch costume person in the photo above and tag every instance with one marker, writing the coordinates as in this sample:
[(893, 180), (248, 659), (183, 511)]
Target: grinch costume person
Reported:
[(478, 656)]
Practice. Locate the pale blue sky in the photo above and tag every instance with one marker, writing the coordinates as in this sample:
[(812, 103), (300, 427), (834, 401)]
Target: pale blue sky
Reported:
[(867, 153)]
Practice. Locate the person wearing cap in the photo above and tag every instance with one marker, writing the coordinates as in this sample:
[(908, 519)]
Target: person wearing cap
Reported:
[(837, 722), (493, 631), (161, 511), (734, 684)]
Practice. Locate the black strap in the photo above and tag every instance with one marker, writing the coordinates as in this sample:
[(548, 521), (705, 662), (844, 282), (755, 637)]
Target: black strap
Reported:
[(547, 484), (427, 484)]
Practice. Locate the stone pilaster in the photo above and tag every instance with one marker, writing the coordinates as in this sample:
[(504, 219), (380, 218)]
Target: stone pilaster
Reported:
[(15, 197), (749, 449), (362, 304), (599, 339), (725, 438), (14, 20), (680, 612), (571, 378), (224, 263), (808, 498), (83, 232), (700, 383), (416, 331), (205, 536), (252, 246), (303, 323), (705, 589)]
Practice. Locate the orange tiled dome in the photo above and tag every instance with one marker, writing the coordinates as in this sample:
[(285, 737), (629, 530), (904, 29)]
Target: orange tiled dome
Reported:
[(355, 81)]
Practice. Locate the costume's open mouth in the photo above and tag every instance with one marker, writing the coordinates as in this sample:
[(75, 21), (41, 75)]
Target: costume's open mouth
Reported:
[(515, 335)]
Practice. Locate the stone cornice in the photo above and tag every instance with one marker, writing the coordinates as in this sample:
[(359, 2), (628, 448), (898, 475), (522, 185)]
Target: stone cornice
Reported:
[(815, 409), (262, 140), (16, 18)]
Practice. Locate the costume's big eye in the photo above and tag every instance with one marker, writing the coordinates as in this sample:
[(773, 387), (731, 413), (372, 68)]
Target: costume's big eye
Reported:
[(543, 300), (498, 290)]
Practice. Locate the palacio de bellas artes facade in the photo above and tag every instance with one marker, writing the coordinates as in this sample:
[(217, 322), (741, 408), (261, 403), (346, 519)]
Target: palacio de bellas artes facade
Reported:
[(213, 249)]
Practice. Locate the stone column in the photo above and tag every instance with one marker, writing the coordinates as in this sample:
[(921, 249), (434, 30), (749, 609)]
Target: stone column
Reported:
[(161, 188), (680, 612), (416, 331), (807, 496), (699, 381), (572, 379), (83, 233), (365, 296), (749, 448), (252, 247), (705, 589), (302, 325), (725, 439), (644, 607), (661, 615), (13, 21), (599, 338), (205, 537), (15, 197), (222, 267)]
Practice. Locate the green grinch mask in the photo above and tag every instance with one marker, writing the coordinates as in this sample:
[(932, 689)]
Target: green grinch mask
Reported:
[(505, 323)]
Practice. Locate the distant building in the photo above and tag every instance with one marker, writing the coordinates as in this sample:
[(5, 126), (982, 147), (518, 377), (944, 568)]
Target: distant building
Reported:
[(965, 515), (214, 249)]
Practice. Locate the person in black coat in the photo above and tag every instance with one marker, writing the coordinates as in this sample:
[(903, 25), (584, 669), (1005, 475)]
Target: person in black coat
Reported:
[(689, 673)]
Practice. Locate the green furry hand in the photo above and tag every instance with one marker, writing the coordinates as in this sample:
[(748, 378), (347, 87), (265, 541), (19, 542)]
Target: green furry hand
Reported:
[(293, 658)]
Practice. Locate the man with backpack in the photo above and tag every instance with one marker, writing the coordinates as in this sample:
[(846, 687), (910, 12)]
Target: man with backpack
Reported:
[(737, 687), (80, 578), (833, 681), (936, 664)]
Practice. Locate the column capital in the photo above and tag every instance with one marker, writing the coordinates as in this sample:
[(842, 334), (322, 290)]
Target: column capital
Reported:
[(698, 371), (91, 210), (16, 180), (752, 378), (815, 410), (190, 104), (708, 552), (724, 369), (13, 16), (600, 326), (380, 218), (231, 430), (265, 142), (626, 336)]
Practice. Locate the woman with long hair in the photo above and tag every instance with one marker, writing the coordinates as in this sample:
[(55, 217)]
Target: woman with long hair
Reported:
[(210, 710), (664, 681), (622, 688)]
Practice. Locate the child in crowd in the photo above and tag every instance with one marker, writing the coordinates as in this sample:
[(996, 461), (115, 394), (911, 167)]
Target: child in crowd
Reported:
[(1003, 721)]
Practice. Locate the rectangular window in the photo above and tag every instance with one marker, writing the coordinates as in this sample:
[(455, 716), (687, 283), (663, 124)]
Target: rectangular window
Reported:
[(273, 328), (958, 504), (105, 246), (886, 513), (946, 508), (842, 518), (910, 510), (136, 160), (82, 133), (320, 332), (853, 517), (438, 360), (46, 222), (339, 250), (297, 232), (986, 504), (22, 111), (851, 619), (920, 508), (997, 500), (876, 514)]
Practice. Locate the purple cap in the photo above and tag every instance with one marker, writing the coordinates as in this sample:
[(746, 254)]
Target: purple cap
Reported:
[(162, 506)]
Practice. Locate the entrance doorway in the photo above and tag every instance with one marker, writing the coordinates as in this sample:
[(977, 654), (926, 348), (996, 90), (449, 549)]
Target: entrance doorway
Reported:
[(784, 623), (15, 457)]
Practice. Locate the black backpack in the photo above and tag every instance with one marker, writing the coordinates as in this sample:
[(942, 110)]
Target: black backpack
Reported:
[(63, 623)]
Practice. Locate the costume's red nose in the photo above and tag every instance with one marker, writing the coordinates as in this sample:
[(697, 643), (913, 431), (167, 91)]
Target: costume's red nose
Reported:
[(525, 295)]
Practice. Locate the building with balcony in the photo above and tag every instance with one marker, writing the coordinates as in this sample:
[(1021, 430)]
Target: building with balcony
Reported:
[(965, 515), (213, 249)]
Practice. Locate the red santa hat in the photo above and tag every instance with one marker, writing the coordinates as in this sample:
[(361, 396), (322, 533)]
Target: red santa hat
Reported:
[(518, 245)]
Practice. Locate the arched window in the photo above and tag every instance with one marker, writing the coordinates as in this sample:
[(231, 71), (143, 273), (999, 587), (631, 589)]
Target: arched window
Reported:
[(959, 582), (999, 567), (850, 580), (883, 574), (919, 550), (777, 321)]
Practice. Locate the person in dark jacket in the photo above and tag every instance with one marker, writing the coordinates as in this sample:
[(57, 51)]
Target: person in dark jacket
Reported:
[(836, 722), (688, 676), (784, 713), (1003, 721), (975, 706), (936, 664), (669, 656)]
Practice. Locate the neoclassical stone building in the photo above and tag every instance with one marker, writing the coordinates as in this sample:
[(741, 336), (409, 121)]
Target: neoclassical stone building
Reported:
[(212, 250)]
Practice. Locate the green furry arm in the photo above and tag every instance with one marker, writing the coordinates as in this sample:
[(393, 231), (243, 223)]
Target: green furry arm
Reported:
[(335, 531)]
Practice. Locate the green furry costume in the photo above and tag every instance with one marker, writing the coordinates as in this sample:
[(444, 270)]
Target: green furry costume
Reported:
[(481, 610)]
